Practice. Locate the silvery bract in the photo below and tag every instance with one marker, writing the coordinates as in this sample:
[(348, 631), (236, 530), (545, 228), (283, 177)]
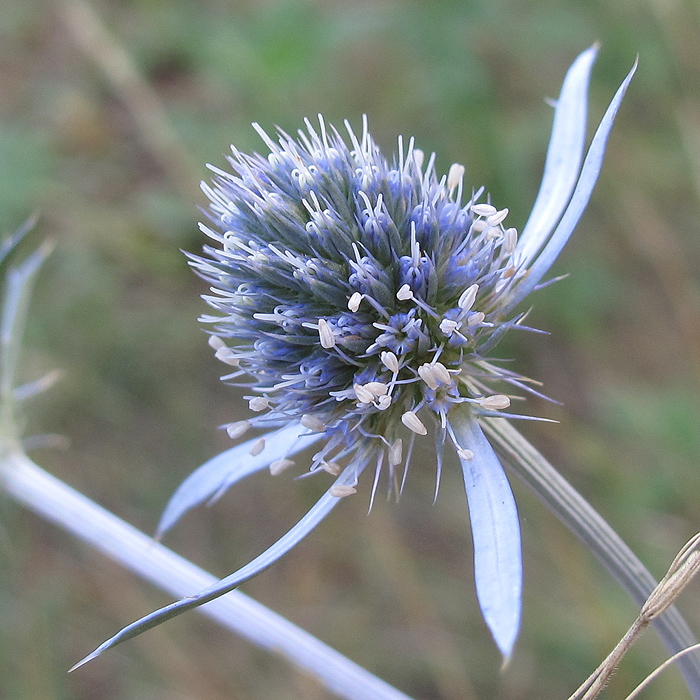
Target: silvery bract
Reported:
[(358, 299)]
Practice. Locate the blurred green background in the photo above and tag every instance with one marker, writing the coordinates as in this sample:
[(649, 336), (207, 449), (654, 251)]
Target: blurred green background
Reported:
[(109, 111)]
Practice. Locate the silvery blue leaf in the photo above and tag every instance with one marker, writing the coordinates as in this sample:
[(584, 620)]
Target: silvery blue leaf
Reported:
[(312, 518), (579, 200), (224, 470), (498, 569), (564, 157)]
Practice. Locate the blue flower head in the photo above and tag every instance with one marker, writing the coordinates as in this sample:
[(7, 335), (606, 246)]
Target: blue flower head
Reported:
[(357, 299)]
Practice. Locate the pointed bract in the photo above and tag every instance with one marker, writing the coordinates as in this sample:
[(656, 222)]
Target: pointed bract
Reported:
[(579, 200), (498, 568), (564, 157), (223, 471), (263, 561)]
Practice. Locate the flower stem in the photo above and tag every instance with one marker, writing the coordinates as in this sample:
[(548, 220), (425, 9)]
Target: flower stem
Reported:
[(55, 501), (584, 522)]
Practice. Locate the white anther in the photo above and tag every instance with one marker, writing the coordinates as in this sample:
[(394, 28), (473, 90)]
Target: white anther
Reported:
[(425, 372), (313, 423), (465, 454), (226, 355), (497, 218), (495, 402), (479, 226), (364, 395), (235, 430), (476, 319), (468, 297), (510, 239), (216, 343), (405, 293), (418, 157), (354, 301), (377, 388), (258, 447), (332, 468), (441, 374), (325, 334), (483, 209), (280, 465), (414, 423), (455, 175), (390, 361), (448, 327), (396, 452), (341, 491), (258, 403), (383, 402)]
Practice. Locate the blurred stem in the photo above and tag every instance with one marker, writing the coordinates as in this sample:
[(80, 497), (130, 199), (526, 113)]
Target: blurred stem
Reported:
[(584, 522), (682, 571), (17, 294), (89, 33), (78, 515)]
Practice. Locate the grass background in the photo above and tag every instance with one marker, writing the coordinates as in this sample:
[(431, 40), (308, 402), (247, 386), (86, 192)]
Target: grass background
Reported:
[(109, 111)]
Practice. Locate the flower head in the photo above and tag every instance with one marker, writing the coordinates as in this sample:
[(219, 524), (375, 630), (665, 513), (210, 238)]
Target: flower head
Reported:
[(358, 298), (360, 292)]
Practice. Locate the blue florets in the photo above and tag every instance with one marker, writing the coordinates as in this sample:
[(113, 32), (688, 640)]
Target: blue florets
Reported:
[(356, 290)]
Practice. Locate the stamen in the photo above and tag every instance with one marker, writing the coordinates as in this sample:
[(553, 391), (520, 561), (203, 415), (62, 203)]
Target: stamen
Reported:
[(483, 209), (383, 402), (476, 319), (422, 305), (496, 402), (468, 297), (418, 157), (441, 374), (425, 372), (341, 490), (390, 361), (396, 452), (258, 447), (455, 175), (405, 293), (325, 334), (510, 239), (414, 423), (313, 423), (216, 343), (332, 468), (258, 403), (377, 388), (280, 465), (236, 430), (355, 301), (466, 455), (226, 355), (448, 327), (364, 395), (497, 218)]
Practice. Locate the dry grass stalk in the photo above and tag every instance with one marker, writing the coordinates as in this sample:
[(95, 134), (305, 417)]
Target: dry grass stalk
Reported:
[(680, 573)]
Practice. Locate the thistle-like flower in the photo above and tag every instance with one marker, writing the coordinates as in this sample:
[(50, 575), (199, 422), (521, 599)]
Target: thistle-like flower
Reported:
[(358, 299)]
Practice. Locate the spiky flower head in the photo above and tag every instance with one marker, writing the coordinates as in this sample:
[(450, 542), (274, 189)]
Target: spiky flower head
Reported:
[(358, 299), (362, 293)]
